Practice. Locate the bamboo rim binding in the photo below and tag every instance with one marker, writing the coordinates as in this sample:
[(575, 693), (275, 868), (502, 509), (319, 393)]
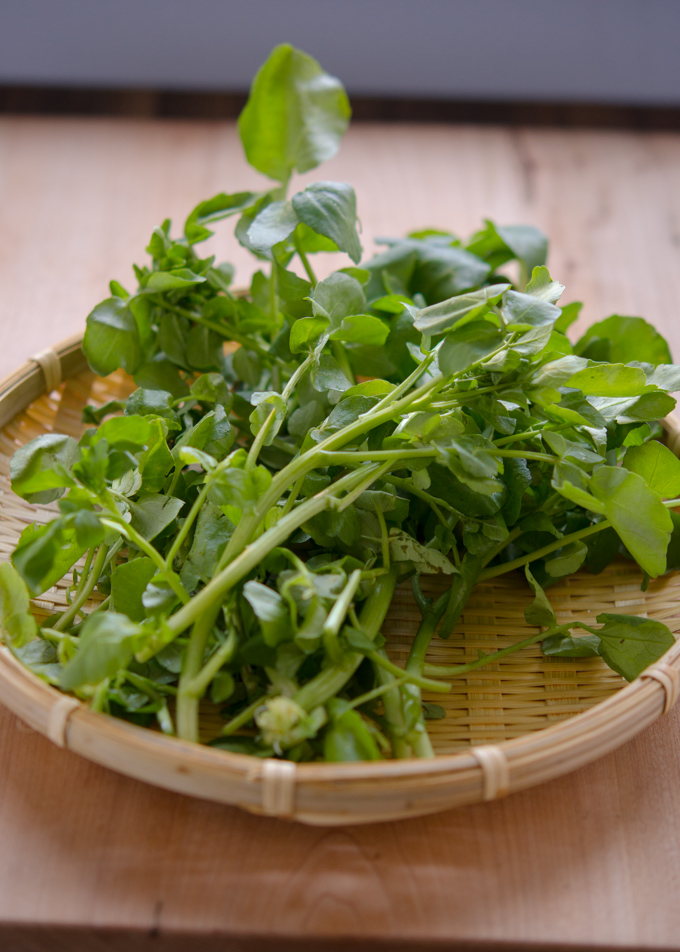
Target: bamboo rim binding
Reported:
[(581, 713)]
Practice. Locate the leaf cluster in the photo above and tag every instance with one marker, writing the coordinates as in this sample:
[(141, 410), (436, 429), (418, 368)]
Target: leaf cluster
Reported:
[(234, 530)]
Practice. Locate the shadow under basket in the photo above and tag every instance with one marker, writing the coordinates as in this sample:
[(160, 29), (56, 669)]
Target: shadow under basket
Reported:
[(509, 726)]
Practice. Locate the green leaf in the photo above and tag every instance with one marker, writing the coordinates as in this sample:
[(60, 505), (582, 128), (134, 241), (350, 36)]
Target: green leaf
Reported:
[(212, 388), (622, 339), (305, 332), (358, 640), (161, 374), (41, 470), (337, 297), (640, 518), (124, 433), (630, 644), (567, 560), (213, 531), (568, 449), (567, 646), (18, 625), (609, 380), (348, 739), (128, 582), (404, 548), (271, 612), (295, 116), (213, 433), (235, 487), (156, 461), (222, 687), (447, 315), (603, 547), (330, 209), (471, 461), (265, 403), (212, 210), (517, 478), (143, 402), (172, 280), (540, 611), (112, 338), (106, 644), (542, 286), (361, 329), (327, 374), (649, 407), (466, 346), (152, 513), (663, 376), (556, 372), (273, 225), (41, 658), (204, 348), (572, 483), (525, 311), (659, 468), (442, 271), (44, 554), (498, 244), (570, 313)]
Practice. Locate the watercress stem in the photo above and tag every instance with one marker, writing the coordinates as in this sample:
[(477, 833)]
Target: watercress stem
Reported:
[(446, 671), (92, 578)]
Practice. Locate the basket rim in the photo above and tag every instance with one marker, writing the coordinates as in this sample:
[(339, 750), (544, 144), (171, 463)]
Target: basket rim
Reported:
[(646, 695)]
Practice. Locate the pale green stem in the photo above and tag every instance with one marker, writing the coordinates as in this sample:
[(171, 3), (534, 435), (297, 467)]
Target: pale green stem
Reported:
[(93, 577), (375, 693), (126, 530), (336, 616), (253, 555), (383, 662), (197, 686), (305, 260), (186, 526), (187, 703), (452, 671), (243, 717)]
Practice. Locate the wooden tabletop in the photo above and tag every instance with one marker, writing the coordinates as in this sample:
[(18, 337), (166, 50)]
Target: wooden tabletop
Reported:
[(92, 860)]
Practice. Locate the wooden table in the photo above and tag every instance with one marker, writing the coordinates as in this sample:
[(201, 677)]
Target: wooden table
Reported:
[(91, 860)]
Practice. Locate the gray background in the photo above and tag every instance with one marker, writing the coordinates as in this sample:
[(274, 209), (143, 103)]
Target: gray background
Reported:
[(610, 51)]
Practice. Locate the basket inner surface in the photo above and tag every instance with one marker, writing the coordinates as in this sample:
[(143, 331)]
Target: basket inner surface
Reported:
[(524, 692)]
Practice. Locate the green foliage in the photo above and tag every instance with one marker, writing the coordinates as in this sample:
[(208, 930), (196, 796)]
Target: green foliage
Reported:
[(293, 451), (17, 624), (295, 116)]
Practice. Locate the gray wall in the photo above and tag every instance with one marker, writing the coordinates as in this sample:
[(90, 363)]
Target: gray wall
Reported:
[(618, 51)]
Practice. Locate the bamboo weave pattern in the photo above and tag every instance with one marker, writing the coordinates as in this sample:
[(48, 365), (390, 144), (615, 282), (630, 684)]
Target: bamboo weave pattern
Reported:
[(523, 693)]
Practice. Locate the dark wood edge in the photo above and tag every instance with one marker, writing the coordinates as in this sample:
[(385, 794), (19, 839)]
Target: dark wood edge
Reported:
[(27, 937), (210, 105)]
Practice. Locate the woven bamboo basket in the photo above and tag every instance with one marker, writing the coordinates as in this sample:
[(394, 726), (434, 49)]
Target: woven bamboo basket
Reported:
[(515, 724)]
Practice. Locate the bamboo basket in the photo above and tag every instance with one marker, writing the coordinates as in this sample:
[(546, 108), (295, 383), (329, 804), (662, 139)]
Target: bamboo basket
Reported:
[(517, 723)]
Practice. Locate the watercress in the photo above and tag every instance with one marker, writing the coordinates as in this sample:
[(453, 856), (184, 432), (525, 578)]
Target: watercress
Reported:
[(247, 513)]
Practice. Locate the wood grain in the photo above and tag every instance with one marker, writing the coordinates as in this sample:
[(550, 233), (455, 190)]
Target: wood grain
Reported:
[(590, 860)]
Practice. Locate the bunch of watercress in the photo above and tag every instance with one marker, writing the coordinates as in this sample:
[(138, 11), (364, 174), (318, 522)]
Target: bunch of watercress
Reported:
[(247, 512)]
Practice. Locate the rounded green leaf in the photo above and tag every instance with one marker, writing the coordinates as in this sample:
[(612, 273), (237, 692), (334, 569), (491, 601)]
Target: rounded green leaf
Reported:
[(330, 209), (111, 338), (295, 116)]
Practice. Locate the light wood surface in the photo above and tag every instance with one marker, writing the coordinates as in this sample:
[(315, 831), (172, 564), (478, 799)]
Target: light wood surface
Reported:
[(592, 859)]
